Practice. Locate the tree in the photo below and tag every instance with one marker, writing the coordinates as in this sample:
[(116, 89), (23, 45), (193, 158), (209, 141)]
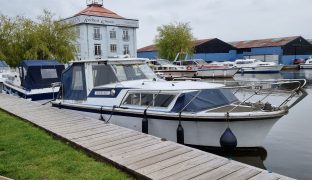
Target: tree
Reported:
[(173, 39), (22, 38)]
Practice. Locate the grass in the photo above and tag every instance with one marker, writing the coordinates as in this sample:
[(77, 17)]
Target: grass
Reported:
[(27, 152)]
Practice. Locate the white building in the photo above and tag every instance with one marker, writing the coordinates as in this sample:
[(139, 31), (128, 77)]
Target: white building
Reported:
[(103, 33)]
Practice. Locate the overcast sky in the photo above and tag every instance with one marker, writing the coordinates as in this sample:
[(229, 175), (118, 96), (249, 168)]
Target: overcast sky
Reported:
[(228, 20)]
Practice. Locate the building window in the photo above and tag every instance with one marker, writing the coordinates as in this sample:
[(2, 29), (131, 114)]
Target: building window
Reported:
[(125, 35), (112, 34), (113, 48), (97, 49), (96, 33), (78, 31), (126, 50)]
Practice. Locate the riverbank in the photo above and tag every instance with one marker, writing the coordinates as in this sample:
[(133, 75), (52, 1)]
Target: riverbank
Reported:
[(27, 152)]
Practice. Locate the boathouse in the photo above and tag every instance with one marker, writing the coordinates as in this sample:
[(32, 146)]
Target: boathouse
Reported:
[(280, 50), (207, 49), (103, 33)]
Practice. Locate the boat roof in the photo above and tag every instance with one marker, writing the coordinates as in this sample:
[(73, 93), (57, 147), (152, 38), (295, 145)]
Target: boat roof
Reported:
[(114, 61), (29, 63)]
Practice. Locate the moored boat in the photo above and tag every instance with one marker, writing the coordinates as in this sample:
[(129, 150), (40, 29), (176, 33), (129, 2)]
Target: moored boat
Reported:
[(35, 79), (256, 66), (206, 70), (167, 70), (4, 73), (307, 64), (126, 92)]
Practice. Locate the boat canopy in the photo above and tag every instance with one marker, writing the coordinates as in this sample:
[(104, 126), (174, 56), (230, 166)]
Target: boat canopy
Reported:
[(37, 74), (196, 101)]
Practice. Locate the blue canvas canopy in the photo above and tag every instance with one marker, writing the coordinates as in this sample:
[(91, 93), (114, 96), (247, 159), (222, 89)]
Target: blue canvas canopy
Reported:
[(206, 99), (36, 74)]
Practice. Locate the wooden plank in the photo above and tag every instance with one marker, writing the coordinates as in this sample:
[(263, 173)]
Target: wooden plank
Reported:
[(113, 150), (266, 175), (245, 173), (98, 136), (144, 150), (133, 148), (171, 170), (90, 134), (221, 171), (96, 147), (98, 143), (130, 160), (169, 162), (159, 158), (198, 170)]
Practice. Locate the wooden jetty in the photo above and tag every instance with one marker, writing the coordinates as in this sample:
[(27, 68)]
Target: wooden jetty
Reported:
[(144, 156)]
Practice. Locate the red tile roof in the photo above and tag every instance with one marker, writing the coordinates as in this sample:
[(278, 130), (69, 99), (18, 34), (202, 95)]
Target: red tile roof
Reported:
[(98, 10), (263, 42), (153, 46)]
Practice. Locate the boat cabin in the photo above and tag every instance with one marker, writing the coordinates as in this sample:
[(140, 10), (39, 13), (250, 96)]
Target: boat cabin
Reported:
[(39, 74)]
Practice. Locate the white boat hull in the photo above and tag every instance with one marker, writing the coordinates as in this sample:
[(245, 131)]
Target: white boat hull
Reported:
[(34, 94), (305, 66), (216, 72), (250, 133), (261, 69)]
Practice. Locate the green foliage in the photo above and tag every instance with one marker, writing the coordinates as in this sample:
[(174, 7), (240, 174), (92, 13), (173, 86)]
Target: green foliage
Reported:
[(29, 153), (173, 39), (22, 38)]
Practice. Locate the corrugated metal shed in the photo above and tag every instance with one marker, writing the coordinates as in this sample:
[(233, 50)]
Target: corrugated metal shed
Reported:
[(153, 46), (263, 42), (98, 10)]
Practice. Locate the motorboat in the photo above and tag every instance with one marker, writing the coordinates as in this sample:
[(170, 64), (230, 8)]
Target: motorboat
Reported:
[(126, 92), (257, 66), (4, 73), (35, 80), (169, 71), (206, 70), (307, 64)]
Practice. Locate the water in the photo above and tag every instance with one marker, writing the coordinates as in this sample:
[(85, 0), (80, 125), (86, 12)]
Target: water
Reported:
[(288, 147)]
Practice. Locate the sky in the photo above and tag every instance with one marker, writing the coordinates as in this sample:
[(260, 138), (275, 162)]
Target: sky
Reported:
[(228, 20)]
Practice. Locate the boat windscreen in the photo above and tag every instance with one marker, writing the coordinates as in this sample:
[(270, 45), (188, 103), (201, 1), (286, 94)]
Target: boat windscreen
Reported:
[(103, 74), (133, 72), (201, 62), (206, 99), (163, 62), (3, 65)]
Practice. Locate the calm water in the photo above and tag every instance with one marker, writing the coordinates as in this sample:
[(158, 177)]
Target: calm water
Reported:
[(288, 147)]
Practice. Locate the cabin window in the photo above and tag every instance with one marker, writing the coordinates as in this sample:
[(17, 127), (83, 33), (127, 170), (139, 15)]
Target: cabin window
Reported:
[(48, 73), (149, 99), (195, 101), (103, 74), (133, 72)]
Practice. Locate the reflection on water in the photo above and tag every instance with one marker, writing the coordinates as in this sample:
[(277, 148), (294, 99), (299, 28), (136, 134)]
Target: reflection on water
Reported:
[(287, 148)]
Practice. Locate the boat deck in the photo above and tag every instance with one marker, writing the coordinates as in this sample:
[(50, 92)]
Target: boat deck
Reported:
[(142, 155)]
